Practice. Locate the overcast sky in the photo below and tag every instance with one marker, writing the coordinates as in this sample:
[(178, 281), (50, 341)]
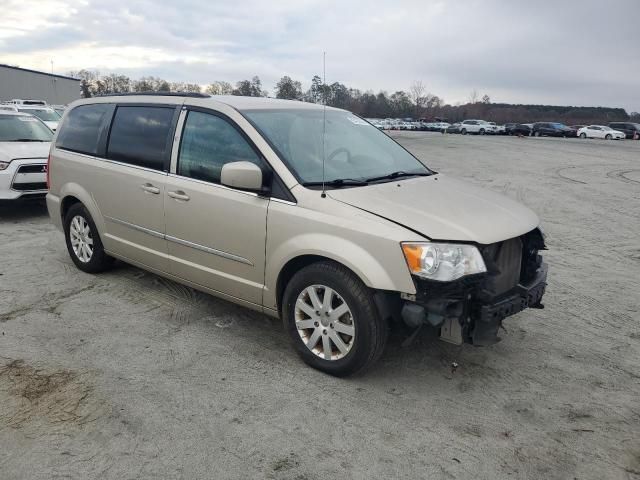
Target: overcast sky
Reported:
[(582, 52)]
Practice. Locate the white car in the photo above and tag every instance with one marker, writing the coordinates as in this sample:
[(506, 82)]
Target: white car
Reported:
[(479, 127), (499, 129), (48, 115), (600, 131), (24, 148)]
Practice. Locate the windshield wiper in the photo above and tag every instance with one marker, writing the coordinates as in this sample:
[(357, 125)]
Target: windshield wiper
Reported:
[(398, 174), (27, 140), (337, 183)]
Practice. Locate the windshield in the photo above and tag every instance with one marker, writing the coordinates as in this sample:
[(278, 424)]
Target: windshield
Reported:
[(19, 128), (45, 115), (353, 149)]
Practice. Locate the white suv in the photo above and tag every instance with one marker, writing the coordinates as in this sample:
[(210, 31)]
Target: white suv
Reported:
[(24, 146), (479, 127), (48, 115)]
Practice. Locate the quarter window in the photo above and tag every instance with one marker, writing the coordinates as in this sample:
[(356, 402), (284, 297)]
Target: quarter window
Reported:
[(208, 143), (140, 136), (80, 131)]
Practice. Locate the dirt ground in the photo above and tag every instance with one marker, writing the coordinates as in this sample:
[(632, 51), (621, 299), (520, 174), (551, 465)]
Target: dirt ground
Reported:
[(127, 375)]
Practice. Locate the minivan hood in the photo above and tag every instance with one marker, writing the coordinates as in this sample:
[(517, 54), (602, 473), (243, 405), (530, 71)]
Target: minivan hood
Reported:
[(443, 208), (14, 150)]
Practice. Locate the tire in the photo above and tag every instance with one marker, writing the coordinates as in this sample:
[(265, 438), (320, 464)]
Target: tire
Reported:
[(607, 137), (92, 259), (583, 135), (363, 347), (481, 132), (463, 131), (537, 134)]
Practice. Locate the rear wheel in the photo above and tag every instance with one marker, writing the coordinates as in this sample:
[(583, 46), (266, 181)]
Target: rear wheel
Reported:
[(463, 131), (481, 131), (332, 320), (83, 241), (537, 134)]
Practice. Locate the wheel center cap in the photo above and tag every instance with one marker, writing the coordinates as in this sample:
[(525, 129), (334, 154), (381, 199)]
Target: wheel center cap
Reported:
[(325, 321)]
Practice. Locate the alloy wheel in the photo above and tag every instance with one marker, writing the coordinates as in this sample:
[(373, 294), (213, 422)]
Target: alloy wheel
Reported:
[(324, 322), (81, 238)]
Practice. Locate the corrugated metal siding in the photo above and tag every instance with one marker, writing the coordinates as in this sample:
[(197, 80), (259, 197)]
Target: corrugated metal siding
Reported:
[(22, 84)]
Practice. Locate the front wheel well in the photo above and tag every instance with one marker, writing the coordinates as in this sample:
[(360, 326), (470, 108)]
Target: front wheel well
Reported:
[(67, 203), (292, 267)]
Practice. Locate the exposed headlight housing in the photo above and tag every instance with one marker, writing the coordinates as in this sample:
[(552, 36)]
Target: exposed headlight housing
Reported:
[(443, 262)]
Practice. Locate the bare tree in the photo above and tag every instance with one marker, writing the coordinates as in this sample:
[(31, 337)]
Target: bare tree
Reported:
[(486, 99), (416, 92), (474, 96)]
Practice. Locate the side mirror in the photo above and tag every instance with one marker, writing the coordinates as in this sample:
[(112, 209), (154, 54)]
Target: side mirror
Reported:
[(242, 175)]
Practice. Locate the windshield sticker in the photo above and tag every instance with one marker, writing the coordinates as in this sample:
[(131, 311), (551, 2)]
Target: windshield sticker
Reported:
[(27, 119), (356, 121)]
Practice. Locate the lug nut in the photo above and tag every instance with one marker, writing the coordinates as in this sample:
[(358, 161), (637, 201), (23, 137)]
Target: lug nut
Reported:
[(315, 324), (324, 332), (331, 325)]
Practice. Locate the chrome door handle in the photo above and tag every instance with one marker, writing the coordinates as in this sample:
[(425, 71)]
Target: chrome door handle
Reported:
[(147, 187), (179, 195)]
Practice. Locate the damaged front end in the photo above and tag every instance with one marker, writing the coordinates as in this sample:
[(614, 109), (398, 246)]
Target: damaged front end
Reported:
[(472, 308)]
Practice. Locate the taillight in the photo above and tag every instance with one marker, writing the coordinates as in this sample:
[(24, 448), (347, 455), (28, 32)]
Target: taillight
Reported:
[(49, 172)]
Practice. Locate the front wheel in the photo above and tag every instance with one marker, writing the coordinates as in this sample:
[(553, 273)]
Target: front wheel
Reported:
[(537, 134), (332, 320), (463, 131), (583, 135), (83, 241), (607, 137), (481, 131)]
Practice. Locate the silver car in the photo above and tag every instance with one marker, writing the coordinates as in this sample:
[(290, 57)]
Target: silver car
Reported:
[(304, 213)]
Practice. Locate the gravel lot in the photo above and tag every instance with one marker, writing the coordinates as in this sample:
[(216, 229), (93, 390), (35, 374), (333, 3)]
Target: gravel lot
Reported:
[(127, 375)]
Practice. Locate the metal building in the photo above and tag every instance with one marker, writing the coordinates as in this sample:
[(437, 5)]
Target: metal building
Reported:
[(22, 83)]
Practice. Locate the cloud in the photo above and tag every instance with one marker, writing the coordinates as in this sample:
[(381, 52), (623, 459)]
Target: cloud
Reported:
[(580, 53)]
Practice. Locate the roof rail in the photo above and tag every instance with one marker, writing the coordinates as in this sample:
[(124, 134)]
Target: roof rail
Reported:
[(163, 94)]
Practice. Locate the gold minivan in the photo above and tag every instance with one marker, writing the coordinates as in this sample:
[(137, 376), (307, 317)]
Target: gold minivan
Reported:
[(300, 211)]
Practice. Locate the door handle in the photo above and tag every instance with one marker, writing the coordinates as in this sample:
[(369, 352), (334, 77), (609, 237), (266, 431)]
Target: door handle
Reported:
[(147, 187), (179, 195)]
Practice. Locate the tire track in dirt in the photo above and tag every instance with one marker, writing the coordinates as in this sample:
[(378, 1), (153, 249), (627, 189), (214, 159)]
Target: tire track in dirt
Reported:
[(621, 175)]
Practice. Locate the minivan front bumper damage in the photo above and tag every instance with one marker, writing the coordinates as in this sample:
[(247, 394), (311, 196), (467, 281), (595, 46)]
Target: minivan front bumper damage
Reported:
[(472, 309)]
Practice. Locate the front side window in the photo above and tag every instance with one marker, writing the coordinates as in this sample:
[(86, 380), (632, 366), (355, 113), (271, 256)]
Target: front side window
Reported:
[(208, 143), (23, 128), (140, 136), (81, 129), (350, 147)]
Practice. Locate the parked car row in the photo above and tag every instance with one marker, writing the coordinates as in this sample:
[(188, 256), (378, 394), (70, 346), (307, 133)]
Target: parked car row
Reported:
[(613, 131), (49, 114)]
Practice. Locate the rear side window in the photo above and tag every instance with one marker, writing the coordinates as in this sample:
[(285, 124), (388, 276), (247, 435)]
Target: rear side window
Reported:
[(80, 131), (208, 143), (140, 136)]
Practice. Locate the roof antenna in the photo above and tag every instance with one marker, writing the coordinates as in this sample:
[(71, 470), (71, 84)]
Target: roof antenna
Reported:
[(324, 115)]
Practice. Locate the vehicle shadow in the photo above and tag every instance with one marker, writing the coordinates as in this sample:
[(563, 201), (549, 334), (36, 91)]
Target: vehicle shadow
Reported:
[(22, 210)]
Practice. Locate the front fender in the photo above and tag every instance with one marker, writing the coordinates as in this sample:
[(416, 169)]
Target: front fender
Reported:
[(388, 271)]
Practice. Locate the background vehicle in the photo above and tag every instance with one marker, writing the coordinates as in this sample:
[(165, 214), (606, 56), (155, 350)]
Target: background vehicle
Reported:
[(24, 146), (328, 243), (48, 115), (498, 129), (552, 129), (479, 127), (630, 130), (454, 128), (600, 131), (517, 129)]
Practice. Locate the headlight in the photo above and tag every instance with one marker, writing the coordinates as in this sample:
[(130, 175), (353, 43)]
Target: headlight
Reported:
[(4, 165), (443, 261)]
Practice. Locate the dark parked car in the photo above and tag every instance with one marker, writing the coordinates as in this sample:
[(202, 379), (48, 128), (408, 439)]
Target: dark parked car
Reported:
[(552, 129), (517, 129), (630, 130), (455, 128)]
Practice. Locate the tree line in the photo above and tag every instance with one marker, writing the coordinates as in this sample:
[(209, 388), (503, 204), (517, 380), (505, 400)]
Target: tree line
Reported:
[(415, 103)]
